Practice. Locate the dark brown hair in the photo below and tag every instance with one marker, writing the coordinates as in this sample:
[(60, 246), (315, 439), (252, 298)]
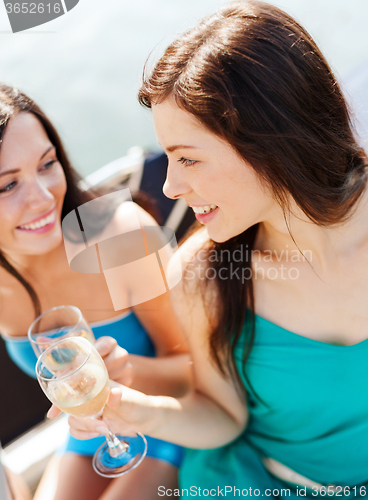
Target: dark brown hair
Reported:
[(12, 101), (254, 77)]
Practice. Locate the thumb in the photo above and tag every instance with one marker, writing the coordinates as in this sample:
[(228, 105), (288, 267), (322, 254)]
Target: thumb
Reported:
[(114, 398), (105, 345), (53, 412)]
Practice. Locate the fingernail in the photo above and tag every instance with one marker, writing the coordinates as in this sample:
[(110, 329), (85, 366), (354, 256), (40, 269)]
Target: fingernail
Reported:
[(100, 344)]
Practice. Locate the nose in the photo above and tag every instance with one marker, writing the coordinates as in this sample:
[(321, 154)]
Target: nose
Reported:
[(39, 196), (175, 187)]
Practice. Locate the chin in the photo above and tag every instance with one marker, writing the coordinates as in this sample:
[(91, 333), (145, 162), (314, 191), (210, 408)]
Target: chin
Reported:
[(44, 247), (219, 237), (226, 235)]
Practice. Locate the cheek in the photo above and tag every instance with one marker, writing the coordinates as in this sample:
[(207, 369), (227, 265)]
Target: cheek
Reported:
[(11, 212), (57, 184), (207, 184), (8, 224)]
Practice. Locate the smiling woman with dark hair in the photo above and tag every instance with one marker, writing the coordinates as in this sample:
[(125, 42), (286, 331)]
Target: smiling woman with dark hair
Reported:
[(38, 187), (260, 145)]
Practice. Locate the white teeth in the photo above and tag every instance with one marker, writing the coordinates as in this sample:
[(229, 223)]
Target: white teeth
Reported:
[(204, 210), (40, 223)]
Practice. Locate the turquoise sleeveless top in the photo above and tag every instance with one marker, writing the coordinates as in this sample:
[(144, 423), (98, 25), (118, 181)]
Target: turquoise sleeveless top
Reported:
[(125, 328), (131, 335), (308, 406)]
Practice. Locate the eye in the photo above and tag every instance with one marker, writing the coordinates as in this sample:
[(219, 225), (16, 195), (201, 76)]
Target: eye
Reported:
[(8, 187), (48, 165), (186, 162)]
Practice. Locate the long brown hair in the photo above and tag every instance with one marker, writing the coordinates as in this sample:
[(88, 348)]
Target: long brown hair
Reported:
[(12, 101), (254, 77)]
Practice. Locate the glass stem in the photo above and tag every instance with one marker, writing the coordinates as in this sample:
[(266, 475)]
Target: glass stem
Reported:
[(116, 447)]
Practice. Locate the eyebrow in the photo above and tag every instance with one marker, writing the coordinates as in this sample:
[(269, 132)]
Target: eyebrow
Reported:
[(171, 149), (16, 170), (47, 150)]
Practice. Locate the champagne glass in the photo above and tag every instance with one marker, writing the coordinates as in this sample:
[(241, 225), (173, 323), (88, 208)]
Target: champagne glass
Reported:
[(55, 324), (74, 377)]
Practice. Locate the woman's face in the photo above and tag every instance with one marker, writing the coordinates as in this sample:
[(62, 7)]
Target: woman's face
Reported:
[(32, 189), (204, 170)]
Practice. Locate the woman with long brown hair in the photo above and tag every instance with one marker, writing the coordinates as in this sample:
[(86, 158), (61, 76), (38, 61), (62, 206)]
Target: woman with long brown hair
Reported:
[(38, 188), (274, 293)]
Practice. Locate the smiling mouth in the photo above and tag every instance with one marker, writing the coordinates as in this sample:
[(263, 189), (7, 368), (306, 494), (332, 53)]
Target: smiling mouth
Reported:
[(205, 209), (40, 223)]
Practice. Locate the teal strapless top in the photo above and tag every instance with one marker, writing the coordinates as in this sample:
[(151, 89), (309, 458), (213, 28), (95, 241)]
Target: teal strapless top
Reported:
[(308, 406), (125, 328)]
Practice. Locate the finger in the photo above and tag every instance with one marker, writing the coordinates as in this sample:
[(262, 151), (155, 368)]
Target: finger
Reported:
[(53, 412), (117, 357), (114, 384), (83, 434), (85, 424), (105, 345), (114, 398), (123, 375), (121, 428), (83, 428)]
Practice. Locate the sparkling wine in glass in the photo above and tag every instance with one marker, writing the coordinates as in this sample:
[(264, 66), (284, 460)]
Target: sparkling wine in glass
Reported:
[(74, 377), (55, 324)]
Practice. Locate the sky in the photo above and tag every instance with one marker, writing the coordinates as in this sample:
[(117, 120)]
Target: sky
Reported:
[(84, 68)]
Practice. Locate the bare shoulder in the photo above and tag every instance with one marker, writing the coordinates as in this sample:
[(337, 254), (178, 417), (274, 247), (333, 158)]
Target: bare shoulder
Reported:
[(193, 298), (195, 302), (131, 216), (189, 260), (128, 212)]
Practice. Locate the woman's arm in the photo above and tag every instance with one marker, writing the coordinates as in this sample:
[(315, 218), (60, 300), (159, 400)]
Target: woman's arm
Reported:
[(168, 373), (194, 421), (211, 415)]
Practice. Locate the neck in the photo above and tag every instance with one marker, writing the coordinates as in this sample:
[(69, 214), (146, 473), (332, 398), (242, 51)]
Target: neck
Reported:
[(325, 243), (38, 265)]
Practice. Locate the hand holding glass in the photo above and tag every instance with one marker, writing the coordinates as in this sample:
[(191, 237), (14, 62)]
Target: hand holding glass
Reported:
[(55, 324), (74, 377)]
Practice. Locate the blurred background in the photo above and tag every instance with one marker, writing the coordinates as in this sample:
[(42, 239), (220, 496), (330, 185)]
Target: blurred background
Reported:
[(84, 70), (85, 67)]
